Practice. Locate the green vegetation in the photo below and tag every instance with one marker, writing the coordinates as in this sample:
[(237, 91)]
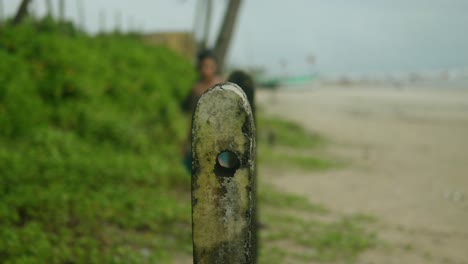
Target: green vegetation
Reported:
[(90, 129), (288, 133), (89, 160), (270, 197), (297, 231), (284, 143)]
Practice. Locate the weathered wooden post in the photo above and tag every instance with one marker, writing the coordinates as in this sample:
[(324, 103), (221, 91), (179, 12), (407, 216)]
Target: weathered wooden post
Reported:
[(223, 167)]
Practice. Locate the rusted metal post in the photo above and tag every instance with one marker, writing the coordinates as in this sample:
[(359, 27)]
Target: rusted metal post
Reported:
[(223, 175)]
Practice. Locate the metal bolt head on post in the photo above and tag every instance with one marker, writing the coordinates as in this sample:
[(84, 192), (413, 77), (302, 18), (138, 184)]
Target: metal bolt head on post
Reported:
[(223, 174)]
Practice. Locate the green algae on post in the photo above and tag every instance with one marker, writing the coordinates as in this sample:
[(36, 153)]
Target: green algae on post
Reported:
[(223, 175)]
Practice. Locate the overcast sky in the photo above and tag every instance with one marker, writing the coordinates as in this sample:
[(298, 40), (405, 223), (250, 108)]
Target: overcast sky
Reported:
[(345, 36)]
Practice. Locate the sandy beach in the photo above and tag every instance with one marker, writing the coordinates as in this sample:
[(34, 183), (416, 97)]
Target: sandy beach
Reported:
[(405, 152)]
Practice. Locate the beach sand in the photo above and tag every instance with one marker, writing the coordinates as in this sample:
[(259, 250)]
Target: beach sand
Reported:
[(406, 156)]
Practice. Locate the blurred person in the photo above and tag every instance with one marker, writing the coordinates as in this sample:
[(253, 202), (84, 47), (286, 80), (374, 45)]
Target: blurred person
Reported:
[(207, 67)]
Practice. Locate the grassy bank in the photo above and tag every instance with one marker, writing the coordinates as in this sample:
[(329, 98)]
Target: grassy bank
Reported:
[(284, 143), (89, 158), (90, 170), (295, 230)]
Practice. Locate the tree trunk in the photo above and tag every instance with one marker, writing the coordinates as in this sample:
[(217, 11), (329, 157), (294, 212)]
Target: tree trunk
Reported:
[(49, 8), (22, 12), (206, 30), (1, 12), (62, 10), (81, 14), (225, 34)]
